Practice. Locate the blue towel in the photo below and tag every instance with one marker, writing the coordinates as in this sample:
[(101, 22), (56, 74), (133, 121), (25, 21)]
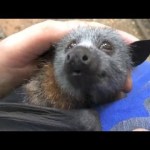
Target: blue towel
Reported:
[(132, 111)]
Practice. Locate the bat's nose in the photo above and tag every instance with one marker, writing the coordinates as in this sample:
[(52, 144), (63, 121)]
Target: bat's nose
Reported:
[(80, 55), (80, 61)]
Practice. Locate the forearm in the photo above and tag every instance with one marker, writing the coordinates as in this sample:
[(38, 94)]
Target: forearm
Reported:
[(10, 78)]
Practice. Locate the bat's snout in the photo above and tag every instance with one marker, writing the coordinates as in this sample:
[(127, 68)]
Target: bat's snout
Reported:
[(80, 61)]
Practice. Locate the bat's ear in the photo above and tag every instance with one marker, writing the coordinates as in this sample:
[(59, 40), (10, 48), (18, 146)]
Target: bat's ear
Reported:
[(140, 50)]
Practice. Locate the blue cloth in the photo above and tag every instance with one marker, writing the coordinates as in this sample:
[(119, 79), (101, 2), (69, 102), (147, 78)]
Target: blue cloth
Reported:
[(132, 111)]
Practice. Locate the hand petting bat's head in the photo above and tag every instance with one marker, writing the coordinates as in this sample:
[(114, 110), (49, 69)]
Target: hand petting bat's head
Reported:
[(95, 64), (90, 66)]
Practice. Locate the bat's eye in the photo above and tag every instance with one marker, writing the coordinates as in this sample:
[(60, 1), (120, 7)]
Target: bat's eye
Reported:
[(106, 46), (72, 44)]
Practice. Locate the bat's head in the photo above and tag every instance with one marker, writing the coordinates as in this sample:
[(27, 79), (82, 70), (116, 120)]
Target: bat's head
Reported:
[(94, 64)]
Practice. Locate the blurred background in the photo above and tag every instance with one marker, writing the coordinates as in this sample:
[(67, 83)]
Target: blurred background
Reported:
[(137, 27)]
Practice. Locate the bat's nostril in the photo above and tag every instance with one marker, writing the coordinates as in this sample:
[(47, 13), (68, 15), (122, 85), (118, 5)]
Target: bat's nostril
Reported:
[(85, 58)]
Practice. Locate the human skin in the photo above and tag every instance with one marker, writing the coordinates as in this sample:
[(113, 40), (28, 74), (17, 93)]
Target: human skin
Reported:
[(19, 51)]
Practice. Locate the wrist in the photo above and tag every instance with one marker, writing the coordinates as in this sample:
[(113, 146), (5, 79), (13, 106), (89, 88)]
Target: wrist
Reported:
[(13, 77)]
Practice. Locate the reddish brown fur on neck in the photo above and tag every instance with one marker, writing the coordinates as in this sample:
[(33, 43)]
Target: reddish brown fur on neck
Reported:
[(43, 90), (51, 91)]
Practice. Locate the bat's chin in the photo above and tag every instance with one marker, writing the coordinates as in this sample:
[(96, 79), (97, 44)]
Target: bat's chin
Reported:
[(81, 81), (98, 95), (81, 78)]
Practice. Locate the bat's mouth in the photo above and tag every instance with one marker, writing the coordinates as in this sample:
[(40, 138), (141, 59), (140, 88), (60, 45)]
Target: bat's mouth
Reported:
[(76, 73)]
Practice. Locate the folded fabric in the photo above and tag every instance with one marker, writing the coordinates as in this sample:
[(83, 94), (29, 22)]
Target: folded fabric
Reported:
[(133, 111), (125, 114)]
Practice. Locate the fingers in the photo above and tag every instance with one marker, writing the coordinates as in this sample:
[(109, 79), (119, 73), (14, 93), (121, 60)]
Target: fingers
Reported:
[(20, 48), (140, 129), (128, 38), (128, 83)]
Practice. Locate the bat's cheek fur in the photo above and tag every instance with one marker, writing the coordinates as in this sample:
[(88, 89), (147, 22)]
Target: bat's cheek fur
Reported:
[(85, 75), (99, 85)]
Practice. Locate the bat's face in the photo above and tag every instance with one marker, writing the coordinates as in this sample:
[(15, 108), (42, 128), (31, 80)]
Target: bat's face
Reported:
[(92, 64)]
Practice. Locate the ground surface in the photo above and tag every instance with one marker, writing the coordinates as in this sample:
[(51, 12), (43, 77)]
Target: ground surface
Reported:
[(10, 26)]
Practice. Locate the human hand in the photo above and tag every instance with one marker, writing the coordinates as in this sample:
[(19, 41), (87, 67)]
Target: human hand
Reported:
[(18, 51)]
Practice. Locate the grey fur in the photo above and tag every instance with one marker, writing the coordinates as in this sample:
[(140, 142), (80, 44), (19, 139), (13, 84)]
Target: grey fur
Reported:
[(115, 66), (96, 89)]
